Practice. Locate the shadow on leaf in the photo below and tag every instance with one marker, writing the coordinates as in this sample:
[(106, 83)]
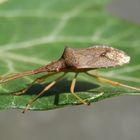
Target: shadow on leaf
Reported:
[(60, 88)]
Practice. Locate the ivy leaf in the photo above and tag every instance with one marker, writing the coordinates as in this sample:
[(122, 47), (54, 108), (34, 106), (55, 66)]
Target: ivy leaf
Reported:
[(34, 33)]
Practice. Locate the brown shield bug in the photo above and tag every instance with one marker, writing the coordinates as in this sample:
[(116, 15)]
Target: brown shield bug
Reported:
[(77, 61)]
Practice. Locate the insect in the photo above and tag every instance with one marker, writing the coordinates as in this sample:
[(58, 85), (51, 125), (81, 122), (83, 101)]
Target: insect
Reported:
[(77, 61)]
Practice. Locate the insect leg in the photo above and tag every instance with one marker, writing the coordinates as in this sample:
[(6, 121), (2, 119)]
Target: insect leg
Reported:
[(42, 92), (36, 81), (73, 93), (111, 82)]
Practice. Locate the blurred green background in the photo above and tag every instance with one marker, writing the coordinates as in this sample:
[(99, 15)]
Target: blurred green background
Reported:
[(24, 24)]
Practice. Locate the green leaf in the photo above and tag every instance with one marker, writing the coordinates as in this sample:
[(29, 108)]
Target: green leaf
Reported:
[(34, 33)]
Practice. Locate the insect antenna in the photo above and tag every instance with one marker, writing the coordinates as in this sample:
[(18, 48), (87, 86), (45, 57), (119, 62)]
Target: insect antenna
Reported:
[(22, 74)]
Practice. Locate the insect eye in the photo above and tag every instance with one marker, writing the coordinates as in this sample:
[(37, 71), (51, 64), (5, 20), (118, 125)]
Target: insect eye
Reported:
[(103, 54)]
